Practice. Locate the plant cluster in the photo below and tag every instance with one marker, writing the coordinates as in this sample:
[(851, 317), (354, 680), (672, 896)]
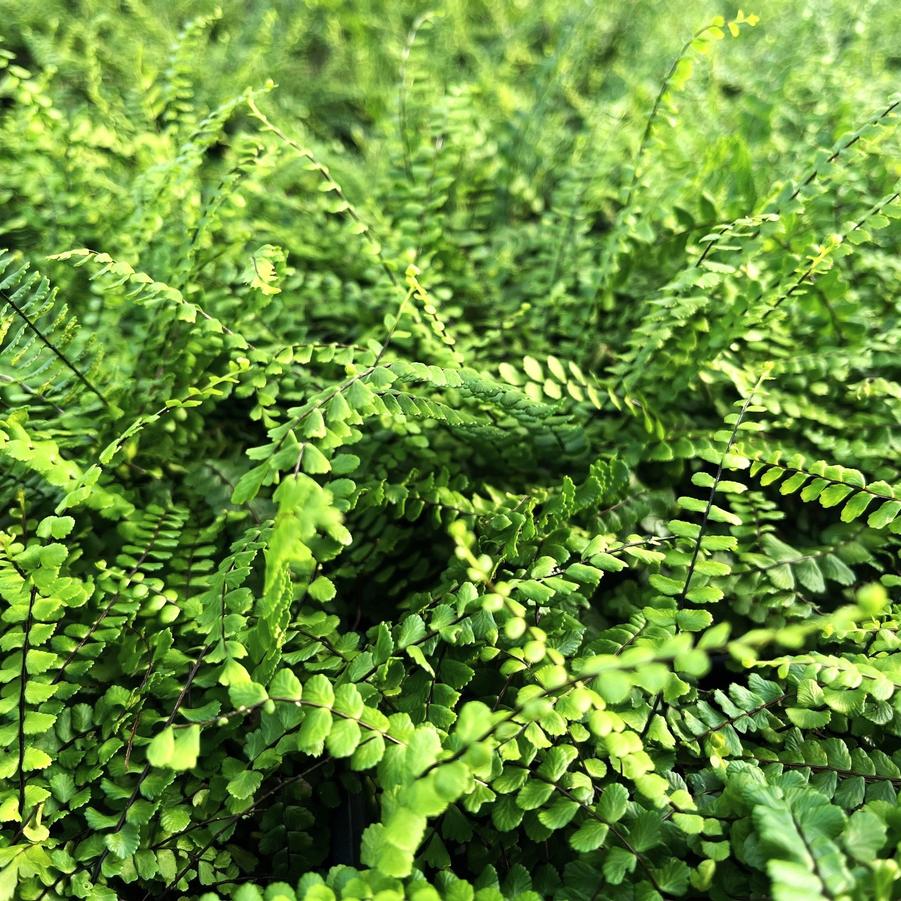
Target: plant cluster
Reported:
[(449, 454)]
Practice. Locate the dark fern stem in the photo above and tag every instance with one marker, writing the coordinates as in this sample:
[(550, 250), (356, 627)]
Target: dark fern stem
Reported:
[(23, 686)]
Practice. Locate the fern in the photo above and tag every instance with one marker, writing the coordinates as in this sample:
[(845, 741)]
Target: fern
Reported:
[(40, 348), (452, 454)]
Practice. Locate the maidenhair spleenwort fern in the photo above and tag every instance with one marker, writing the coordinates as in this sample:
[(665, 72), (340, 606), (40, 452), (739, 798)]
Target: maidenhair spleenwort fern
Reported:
[(464, 467), (40, 353)]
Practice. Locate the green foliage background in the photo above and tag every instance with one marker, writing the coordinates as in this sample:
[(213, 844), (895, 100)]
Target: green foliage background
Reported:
[(449, 453)]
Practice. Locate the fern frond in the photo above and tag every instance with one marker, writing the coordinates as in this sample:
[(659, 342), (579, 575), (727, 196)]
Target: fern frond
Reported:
[(39, 339)]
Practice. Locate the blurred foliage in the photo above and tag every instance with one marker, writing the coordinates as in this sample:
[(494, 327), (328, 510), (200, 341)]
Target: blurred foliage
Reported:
[(449, 452)]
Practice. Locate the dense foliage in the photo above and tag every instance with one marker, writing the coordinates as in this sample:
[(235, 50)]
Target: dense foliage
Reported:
[(449, 454)]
